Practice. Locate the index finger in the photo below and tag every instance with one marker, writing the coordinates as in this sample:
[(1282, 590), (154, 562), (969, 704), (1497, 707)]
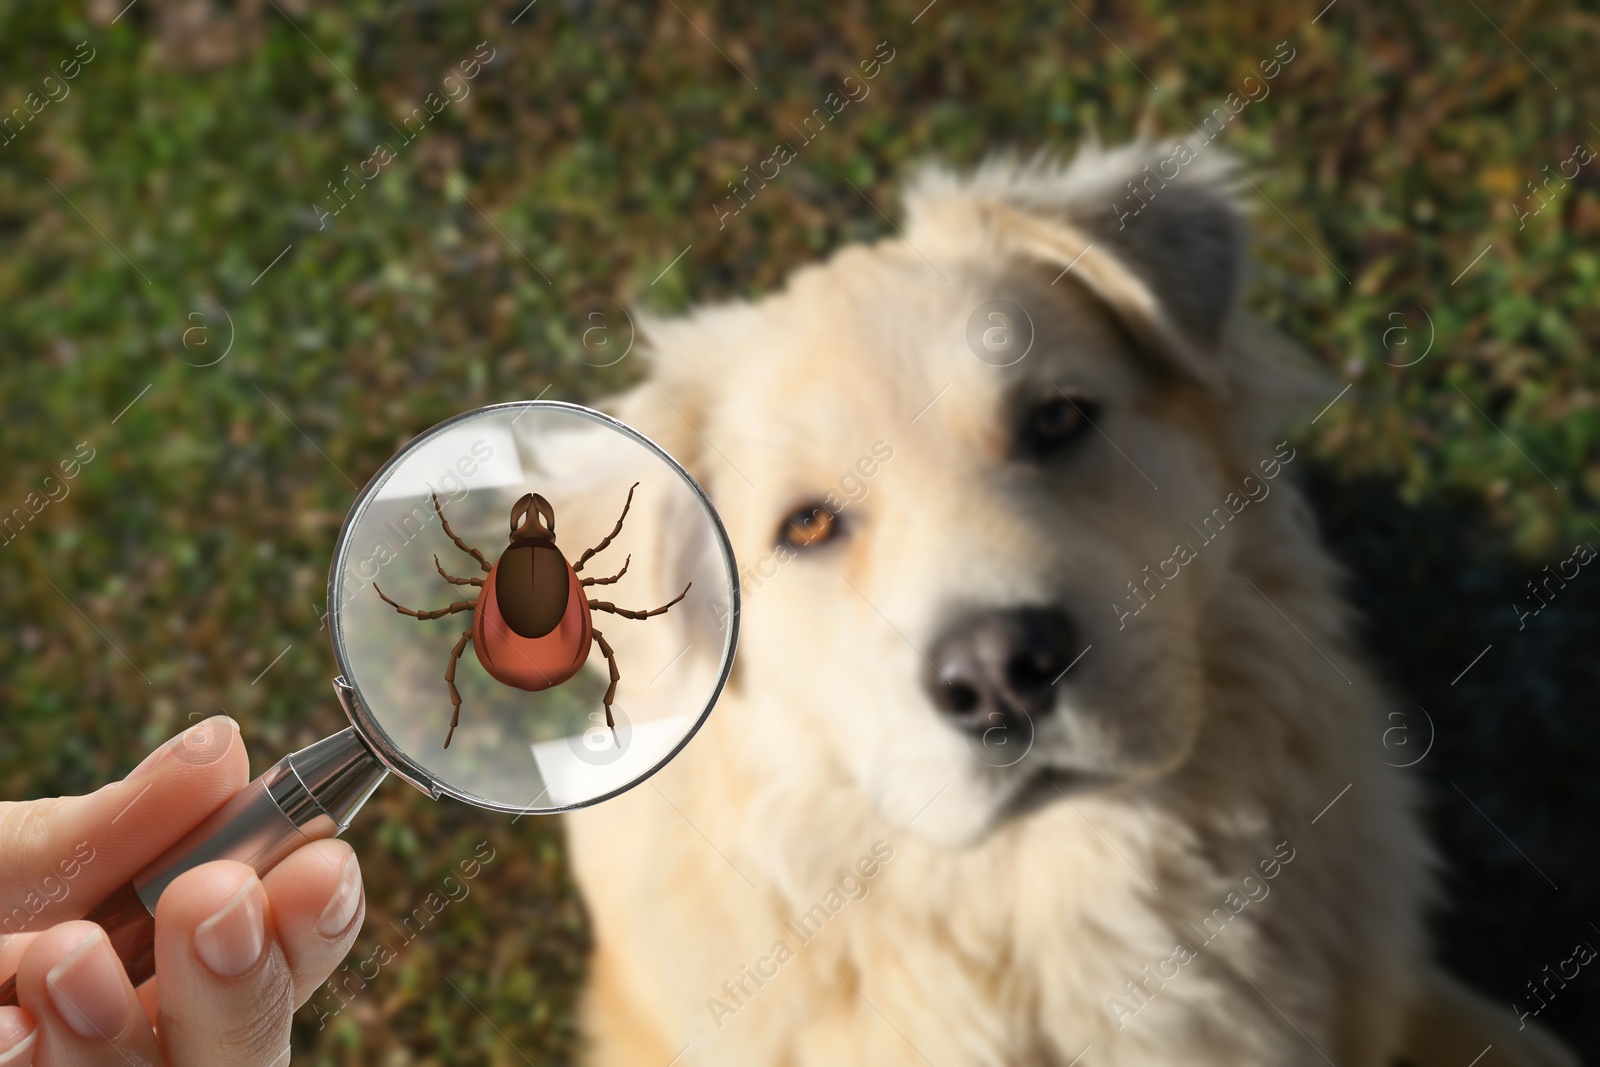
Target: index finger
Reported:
[(66, 854)]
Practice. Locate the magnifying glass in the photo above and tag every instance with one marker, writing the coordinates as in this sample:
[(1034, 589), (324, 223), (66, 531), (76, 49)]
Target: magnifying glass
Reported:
[(533, 608)]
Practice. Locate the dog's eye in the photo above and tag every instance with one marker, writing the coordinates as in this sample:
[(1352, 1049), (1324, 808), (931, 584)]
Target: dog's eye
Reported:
[(1054, 423), (808, 526)]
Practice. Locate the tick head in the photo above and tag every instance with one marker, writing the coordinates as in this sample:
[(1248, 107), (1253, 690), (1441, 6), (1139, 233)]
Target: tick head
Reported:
[(533, 519)]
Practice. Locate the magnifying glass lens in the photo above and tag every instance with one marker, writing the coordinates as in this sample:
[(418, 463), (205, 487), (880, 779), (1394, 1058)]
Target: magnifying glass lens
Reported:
[(534, 607)]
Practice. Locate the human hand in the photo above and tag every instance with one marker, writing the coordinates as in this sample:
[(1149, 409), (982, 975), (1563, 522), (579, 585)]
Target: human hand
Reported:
[(236, 954)]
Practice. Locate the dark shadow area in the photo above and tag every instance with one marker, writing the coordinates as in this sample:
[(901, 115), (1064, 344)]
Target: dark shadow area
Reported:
[(1513, 779)]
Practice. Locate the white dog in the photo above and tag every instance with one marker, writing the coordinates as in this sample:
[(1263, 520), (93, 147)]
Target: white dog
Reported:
[(1047, 741)]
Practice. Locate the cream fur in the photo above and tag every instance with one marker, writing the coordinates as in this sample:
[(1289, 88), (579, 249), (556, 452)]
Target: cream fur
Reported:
[(1225, 717)]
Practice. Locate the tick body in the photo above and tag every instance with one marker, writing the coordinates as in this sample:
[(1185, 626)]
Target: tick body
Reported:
[(535, 661), (532, 625)]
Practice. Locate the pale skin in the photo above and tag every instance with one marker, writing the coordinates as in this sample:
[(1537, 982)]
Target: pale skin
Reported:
[(235, 954)]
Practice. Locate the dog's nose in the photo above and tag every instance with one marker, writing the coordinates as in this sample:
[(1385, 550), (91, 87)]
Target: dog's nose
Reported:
[(1000, 667)]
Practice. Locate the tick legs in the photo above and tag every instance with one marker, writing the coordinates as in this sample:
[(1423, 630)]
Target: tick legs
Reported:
[(463, 581), (578, 566), (462, 545), (611, 580), (455, 653), (460, 605), (628, 613), (611, 691), (450, 680)]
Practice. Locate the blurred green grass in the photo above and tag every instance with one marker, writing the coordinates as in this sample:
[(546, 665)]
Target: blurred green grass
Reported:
[(192, 550)]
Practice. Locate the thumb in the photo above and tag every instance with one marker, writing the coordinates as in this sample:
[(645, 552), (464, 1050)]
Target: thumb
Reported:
[(63, 855)]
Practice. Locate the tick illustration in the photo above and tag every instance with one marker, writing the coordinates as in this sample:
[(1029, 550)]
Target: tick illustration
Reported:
[(531, 622)]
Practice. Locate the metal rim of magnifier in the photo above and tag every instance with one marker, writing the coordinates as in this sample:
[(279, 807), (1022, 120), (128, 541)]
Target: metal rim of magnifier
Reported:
[(395, 758)]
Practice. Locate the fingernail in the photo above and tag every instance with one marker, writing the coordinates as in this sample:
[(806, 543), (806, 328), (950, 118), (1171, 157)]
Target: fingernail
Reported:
[(201, 744), (18, 1035), (346, 899), (20, 1054), (230, 942), (86, 990)]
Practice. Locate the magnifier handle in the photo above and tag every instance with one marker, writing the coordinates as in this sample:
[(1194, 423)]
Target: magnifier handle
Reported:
[(309, 795)]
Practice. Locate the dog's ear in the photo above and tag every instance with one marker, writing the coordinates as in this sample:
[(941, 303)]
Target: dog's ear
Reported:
[(672, 402), (585, 470), (672, 407), (1167, 260)]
